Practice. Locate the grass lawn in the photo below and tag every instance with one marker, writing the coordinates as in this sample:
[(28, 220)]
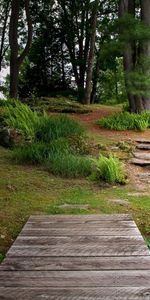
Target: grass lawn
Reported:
[(26, 190)]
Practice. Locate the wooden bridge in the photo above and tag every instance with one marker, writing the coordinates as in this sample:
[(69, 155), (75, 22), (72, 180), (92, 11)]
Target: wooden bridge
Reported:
[(77, 257)]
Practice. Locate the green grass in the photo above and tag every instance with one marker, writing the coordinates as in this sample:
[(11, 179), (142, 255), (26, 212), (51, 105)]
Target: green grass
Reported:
[(109, 169), (34, 191), (58, 104), (51, 128), (126, 121), (55, 157)]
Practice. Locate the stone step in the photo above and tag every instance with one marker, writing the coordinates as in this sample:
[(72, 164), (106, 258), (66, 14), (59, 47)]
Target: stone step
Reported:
[(140, 162), (143, 146), (143, 141), (145, 156)]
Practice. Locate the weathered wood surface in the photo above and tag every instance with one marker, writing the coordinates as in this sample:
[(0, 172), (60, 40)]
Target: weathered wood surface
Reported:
[(77, 257)]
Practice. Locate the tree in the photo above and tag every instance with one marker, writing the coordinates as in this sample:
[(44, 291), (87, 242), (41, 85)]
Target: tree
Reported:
[(17, 59), (4, 15), (136, 53), (88, 89)]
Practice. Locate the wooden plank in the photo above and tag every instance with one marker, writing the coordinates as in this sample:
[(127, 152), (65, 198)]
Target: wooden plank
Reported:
[(78, 240), (79, 250), (99, 293), (80, 218), (75, 263), (92, 225), (87, 231), (75, 278)]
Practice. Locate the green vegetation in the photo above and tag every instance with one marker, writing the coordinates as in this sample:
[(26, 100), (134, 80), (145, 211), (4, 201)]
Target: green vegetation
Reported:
[(109, 169), (58, 104), (33, 191), (126, 121)]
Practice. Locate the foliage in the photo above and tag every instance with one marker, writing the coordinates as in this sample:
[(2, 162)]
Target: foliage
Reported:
[(58, 104), (69, 165), (126, 121), (109, 169), (55, 157), (20, 116), (54, 127)]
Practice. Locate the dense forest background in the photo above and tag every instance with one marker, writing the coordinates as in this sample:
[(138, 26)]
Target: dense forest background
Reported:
[(94, 51)]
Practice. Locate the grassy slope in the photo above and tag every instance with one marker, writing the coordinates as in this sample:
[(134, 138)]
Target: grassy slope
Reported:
[(26, 190)]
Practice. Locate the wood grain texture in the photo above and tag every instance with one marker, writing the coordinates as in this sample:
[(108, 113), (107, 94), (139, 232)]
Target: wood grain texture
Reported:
[(109, 293), (86, 231), (75, 278), (80, 218), (77, 258), (40, 263)]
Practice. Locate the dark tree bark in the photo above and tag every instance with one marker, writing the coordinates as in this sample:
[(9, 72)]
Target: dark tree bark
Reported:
[(88, 89), (145, 16), (128, 7), (3, 49), (15, 59)]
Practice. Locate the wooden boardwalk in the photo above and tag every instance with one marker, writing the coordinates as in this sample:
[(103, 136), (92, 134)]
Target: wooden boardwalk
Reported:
[(77, 257)]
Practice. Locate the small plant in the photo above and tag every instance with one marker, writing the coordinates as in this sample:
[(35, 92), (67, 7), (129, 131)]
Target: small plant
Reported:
[(109, 169), (20, 116), (69, 165), (126, 121), (51, 128)]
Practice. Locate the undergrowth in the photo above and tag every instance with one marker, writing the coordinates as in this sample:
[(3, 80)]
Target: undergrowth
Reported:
[(109, 169), (126, 121)]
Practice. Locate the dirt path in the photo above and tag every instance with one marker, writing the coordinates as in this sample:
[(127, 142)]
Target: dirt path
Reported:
[(88, 120)]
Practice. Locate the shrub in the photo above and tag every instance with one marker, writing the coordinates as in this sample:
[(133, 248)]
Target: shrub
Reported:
[(58, 104), (55, 157), (109, 169), (69, 165), (126, 121), (20, 116), (51, 128)]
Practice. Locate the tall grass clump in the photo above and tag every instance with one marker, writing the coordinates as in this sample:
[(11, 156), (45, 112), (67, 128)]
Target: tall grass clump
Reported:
[(20, 116), (70, 165), (126, 121), (109, 169), (54, 127)]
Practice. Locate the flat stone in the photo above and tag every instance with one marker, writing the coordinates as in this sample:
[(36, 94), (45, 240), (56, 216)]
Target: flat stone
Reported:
[(144, 175), (74, 206), (143, 147), (145, 156), (143, 141), (138, 194), (140, 162), (123, 202)]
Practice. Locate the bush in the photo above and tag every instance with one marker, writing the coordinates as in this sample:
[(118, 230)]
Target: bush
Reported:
[(109, 169), (58, 104), (55, 157), (126, 121), (51, 128), (69, 165), (20, 116)]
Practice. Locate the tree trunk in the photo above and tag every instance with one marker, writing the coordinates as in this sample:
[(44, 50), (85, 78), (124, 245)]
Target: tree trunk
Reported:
[(88, 88), (128, 7), (145, 17), (15, 60), (4, 28)]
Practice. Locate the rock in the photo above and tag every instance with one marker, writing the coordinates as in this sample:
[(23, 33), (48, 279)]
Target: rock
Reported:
[(143, 141), (122, 202), (140, 162), (74, 206), (144, 175), (145, 156), (143, 147), (138, 194)]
